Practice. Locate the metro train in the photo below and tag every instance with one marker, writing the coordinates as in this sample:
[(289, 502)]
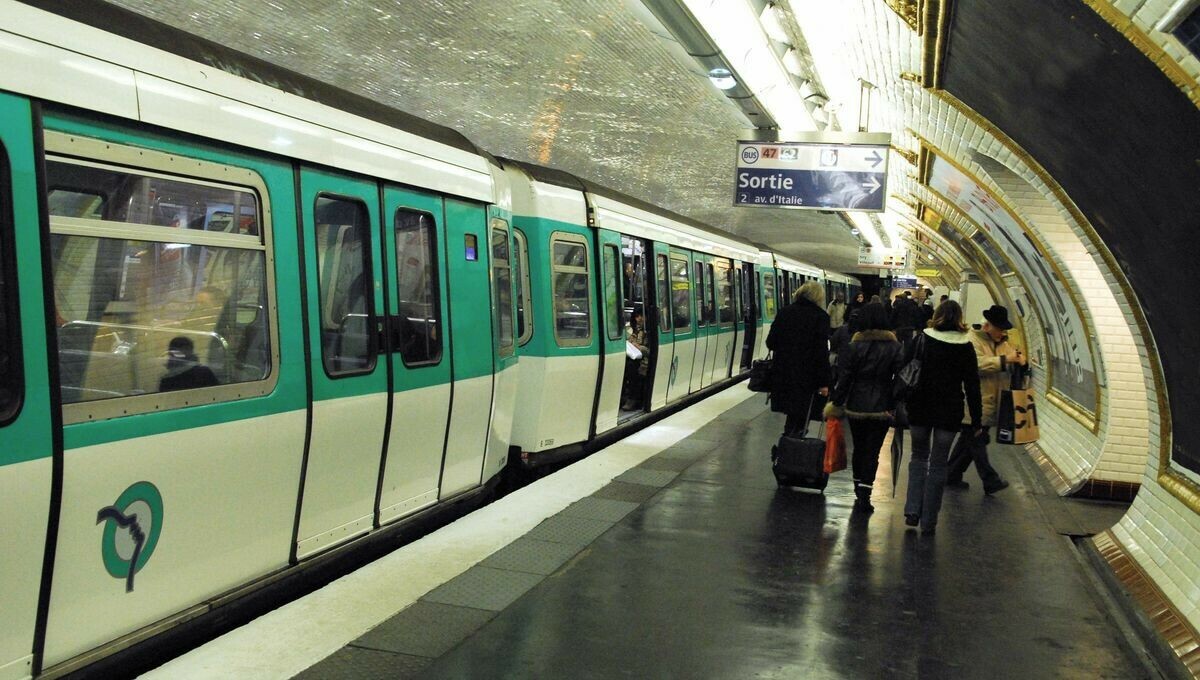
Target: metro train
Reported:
[(242, 331)]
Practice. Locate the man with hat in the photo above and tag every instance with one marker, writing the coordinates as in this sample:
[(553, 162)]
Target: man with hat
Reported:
[(994, 356)]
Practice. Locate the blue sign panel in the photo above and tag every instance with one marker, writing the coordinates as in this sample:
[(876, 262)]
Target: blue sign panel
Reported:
[(811, 175)]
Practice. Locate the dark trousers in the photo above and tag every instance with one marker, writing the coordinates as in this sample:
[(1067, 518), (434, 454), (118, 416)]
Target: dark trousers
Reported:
[(968, 449), (927, 473), (868, 438), (796, 423)]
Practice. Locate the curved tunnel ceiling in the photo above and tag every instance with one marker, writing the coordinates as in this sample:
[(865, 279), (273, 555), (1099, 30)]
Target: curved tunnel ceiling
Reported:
[(1127, 155)]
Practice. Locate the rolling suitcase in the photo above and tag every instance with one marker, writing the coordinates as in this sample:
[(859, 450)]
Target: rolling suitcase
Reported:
[(800, 461)]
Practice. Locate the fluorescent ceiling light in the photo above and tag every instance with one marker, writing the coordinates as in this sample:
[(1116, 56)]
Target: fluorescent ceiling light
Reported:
[(735, 29), (891, 225), (791, 61), (772, 23), (831, 29), (863, 222)]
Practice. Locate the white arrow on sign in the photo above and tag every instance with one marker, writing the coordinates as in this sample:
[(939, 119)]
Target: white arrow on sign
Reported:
[(873, 184)]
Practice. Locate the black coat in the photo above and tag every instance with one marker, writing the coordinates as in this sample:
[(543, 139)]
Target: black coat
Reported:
[(948, 370), (800, 340), (906, 314), (866, 375)]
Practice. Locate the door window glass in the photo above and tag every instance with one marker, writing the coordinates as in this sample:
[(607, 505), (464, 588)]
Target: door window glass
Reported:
[(681, 294), (769, 295), (419, 307), (710, 295), (502, 281), (11, 372), (701, 307), (344, 285), (160, 283), (521, 276), (725, 299), (664, 293), (612, 292), (572, 290)]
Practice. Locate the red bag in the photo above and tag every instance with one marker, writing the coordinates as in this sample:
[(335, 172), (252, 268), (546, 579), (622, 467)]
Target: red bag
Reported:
[(835, 446)]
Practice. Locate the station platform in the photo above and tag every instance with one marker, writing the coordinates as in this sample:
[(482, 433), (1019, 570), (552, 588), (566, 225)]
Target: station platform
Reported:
[(673, 554)]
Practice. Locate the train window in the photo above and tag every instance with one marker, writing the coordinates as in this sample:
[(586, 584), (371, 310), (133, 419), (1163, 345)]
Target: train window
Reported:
[(419, 307), (344, 285), (160, 283), (612, 292), (710, 295), (681, 294), (11, 373), (725, 299), (664, 293), (769, 295), (701, 303), (502, 281), (521, 276), (572, 290)]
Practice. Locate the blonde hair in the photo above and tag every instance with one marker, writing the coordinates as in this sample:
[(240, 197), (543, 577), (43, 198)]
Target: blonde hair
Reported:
[(812, 291)]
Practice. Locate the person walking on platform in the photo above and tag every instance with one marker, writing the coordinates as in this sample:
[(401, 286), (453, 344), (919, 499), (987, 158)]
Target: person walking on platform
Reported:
[(839, 342), (800, 340), (994, 356), (836, 311), (906, 316), (863, 394), (855, 304), (935, 409)]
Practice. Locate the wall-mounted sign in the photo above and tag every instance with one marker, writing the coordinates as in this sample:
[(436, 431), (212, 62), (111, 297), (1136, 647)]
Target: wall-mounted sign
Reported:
[(817, 171), (928, 272), (883, 258)]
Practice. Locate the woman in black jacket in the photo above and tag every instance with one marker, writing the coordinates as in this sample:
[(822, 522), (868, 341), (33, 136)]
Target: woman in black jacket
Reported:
[(935, 409), (799, 337), (866, 373)]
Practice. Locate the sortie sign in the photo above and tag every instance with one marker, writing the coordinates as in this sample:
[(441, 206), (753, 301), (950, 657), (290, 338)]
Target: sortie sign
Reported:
[(818, 171)]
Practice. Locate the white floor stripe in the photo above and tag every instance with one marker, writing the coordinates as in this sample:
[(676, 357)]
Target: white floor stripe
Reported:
[(298, 635)]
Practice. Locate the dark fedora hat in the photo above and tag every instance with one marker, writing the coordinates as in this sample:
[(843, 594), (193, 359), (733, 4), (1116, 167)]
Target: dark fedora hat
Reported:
[(998, 317)]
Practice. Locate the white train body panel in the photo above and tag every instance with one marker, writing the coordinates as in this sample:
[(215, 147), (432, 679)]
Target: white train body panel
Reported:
[(24, 496), (228, 506), (608, 409), (466, 441), (681, 375), (416, 443), (555, 395), (504, 409)]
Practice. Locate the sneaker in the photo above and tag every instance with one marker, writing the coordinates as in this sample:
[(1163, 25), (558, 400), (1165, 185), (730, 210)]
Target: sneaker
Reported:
[(1001, 486), (957, 484)]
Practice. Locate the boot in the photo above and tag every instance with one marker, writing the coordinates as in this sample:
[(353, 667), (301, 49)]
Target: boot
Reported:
[(863, 500)]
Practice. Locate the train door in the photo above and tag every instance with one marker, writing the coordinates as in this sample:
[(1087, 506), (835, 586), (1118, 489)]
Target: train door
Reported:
[(635, 391), (663, 367), (747, 314), (770, 306), (703, 323), (26, 446), (349, 369), (414, 250), (505, 270), (723, 306), (682, 319), (612, 340), (471, 346)]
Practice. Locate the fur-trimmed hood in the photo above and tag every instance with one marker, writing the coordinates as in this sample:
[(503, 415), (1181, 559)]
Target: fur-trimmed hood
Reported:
[(874, 335), (952, 337)]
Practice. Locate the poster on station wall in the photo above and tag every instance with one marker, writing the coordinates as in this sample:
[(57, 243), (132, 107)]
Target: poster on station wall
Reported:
[(1069, 348), (882, 258)]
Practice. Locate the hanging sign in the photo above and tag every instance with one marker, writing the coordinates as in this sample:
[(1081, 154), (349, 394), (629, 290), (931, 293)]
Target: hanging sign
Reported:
[(817, 171), (883, 258)]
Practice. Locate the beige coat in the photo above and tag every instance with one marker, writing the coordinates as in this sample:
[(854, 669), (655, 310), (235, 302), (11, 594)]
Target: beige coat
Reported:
[(993, 376)]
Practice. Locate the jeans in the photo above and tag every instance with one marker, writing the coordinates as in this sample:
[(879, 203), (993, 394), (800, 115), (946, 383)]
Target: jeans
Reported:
[(868, 438), (927, 472), (972, 449)]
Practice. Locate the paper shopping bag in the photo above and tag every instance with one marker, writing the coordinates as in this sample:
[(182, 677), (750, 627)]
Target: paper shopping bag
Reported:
[(1016, 420)]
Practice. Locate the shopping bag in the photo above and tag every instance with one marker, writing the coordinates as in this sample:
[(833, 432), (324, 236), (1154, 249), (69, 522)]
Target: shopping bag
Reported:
[(632, 351), (1016, 419), (835, 446)]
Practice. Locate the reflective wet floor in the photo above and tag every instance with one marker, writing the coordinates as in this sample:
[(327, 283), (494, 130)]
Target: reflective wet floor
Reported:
[(696, 565)]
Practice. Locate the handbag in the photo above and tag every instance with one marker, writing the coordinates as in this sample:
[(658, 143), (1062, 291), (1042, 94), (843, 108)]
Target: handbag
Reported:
[(910, 376), (760, 374), (835, 446)]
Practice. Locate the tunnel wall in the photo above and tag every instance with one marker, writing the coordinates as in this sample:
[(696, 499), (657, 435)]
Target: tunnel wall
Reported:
[(1126, 157)]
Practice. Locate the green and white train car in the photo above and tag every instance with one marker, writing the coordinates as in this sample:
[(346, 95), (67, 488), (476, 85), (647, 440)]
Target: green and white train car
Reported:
[(596, 260), (238, 328)]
